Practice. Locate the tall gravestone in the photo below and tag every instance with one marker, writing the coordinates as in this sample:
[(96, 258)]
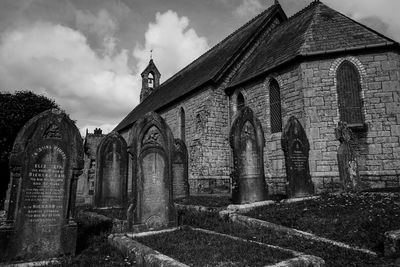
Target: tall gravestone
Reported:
[(348, 167), (45, 163), (296, 148), (112, 172), (247, 141), (150, 146), (180, 172)]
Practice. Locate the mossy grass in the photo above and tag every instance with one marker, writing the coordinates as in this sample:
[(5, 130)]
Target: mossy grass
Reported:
[(196, 248), (92, 247), (356, 219), (334, 256)]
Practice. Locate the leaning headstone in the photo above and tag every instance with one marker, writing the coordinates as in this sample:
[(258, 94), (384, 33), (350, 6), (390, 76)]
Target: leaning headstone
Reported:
[(180, 180), (296, 148), (347, 160), (247, 141), (112, 172), (150, 146), (45, 164)]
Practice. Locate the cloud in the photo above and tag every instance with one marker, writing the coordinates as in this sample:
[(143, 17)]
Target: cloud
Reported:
[(248, 9), (174, 44), (57, 61), (385, 11), (102, 26)]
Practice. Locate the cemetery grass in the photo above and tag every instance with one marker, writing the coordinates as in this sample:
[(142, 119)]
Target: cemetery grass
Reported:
[(355, 219), (334, 256), (93, 248), (196, 248)]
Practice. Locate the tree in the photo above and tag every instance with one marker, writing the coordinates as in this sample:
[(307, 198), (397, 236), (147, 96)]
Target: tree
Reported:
[(16, 110)]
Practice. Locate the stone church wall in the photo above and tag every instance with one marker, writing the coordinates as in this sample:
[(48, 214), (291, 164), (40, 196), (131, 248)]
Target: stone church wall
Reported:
[(256, 97), (379, 146), (206, 137), (308, 92)]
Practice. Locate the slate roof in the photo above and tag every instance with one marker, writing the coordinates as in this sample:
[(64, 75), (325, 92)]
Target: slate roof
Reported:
[(315, 29), (207, 68)]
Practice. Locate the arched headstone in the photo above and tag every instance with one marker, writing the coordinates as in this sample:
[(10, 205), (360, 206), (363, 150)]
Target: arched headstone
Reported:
[(112, 172), (247, 141), (150, 146), (296, 147), (180, 182), (45, 163)]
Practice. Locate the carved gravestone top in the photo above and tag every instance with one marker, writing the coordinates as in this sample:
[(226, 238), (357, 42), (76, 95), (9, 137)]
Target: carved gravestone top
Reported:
[(347, 159), (247, 141), (343, 133), (45, 163), (150, 145), (296, 148), (112, 171), (180, 173)]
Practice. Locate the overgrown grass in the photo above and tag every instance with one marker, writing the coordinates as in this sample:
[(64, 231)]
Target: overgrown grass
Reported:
[(357, 219), (196, 248), (333, 256), (98, 253), (92, 246), (206, 201)]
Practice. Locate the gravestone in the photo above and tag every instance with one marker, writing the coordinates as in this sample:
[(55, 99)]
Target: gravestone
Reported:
[(150, 146), (45, 163), (180, 180), (347, 160), (247, 141), (112, 172), (296, 148)]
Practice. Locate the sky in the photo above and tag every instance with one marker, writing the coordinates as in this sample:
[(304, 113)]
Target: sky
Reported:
[(87, 55)]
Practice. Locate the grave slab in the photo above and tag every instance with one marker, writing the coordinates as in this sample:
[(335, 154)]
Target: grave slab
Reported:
[(45, 163), (296, 148), (247, 142), (112, 172), (150, 147)]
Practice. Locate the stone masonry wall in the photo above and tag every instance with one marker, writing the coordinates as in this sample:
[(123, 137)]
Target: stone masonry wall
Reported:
[(257, 98), (205, 138), (379, 146)]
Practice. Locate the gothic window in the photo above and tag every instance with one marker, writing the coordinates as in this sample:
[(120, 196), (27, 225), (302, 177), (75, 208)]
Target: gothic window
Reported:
[(349, 94), (240, 101), (275, 107), (182, 115), (150, 80)]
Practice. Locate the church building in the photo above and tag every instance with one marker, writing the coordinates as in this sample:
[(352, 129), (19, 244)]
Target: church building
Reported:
[(318, 66)]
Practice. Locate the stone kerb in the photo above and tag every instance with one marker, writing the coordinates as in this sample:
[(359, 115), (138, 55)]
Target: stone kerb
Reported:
[(111, 172), (146, 256), (150, 147), (45, 163), (180, 171), (247, 142)]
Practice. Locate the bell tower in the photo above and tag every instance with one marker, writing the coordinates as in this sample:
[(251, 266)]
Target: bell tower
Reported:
[(150, 80)]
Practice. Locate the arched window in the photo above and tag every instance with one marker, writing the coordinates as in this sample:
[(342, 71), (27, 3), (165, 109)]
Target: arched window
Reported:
[(182, 115), (150, 80), (275, 107), (349, 94), (240, 101)]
